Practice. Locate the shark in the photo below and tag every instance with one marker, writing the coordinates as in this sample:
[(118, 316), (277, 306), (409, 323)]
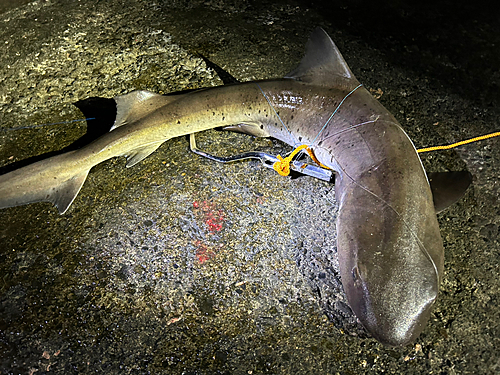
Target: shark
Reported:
[(389, 245)]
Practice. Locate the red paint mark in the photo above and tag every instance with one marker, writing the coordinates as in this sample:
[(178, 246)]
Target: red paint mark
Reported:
[(203, 253), (260, 200), (212, 216)]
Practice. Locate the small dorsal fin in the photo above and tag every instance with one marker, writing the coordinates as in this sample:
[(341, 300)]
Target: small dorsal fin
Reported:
[(323, 63), (137, 104), (448, 187)]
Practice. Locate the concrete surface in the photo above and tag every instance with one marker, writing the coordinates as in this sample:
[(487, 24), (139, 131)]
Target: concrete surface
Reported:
[(183, 266)]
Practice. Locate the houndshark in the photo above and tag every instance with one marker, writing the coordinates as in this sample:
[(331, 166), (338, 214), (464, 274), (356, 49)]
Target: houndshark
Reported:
[(389, 245)]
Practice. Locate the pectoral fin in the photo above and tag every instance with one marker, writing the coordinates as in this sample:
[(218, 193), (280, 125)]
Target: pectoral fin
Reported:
[(248, 128), (448, 187)]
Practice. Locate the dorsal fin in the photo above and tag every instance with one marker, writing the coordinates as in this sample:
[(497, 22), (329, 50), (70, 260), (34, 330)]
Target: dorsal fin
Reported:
[(323, 63), (137, 104)]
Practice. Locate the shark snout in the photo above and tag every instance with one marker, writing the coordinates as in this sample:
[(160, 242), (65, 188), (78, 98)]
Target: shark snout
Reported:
[(393, 301), (390, 268), (394, 325)]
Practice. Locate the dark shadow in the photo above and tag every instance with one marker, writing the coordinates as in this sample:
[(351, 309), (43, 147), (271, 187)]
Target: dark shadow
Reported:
[(101, 113), (224, 75), (450, 42)]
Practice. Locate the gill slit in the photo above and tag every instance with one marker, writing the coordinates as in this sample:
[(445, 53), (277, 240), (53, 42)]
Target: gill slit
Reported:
[(295, 142), (349, 128)]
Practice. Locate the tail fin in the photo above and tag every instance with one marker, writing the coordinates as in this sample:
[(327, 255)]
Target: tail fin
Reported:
[(45, 181)]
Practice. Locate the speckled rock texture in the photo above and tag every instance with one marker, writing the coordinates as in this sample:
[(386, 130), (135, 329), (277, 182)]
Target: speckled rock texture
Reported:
[(180, 265)]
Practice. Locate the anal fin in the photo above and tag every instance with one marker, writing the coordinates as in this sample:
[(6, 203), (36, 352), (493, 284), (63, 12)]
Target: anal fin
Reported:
[(64, 194)]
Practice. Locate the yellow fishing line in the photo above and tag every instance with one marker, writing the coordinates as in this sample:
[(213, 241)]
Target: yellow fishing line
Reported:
[(453, 145), (313, 157), (283, 165)]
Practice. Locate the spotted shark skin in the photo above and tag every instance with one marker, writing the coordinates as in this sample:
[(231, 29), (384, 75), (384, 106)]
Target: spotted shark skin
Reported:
[(389, 245)]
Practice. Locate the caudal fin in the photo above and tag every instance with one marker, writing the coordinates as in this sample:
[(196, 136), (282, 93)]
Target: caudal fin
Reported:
[(56, 180)]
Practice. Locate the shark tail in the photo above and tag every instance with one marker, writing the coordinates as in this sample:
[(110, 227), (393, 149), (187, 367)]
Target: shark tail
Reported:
[(43, 182), (59, 179)]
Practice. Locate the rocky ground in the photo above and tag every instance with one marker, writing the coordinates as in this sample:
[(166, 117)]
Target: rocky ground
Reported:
[(183, 266)]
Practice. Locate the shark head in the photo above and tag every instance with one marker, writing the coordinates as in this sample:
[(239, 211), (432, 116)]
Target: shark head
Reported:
[(390, 275)]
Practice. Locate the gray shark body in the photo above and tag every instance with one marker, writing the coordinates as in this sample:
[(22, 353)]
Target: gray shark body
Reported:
[(389, 245)]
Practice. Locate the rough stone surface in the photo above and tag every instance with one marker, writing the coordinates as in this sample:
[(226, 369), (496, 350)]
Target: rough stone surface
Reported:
[(183, 266)]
